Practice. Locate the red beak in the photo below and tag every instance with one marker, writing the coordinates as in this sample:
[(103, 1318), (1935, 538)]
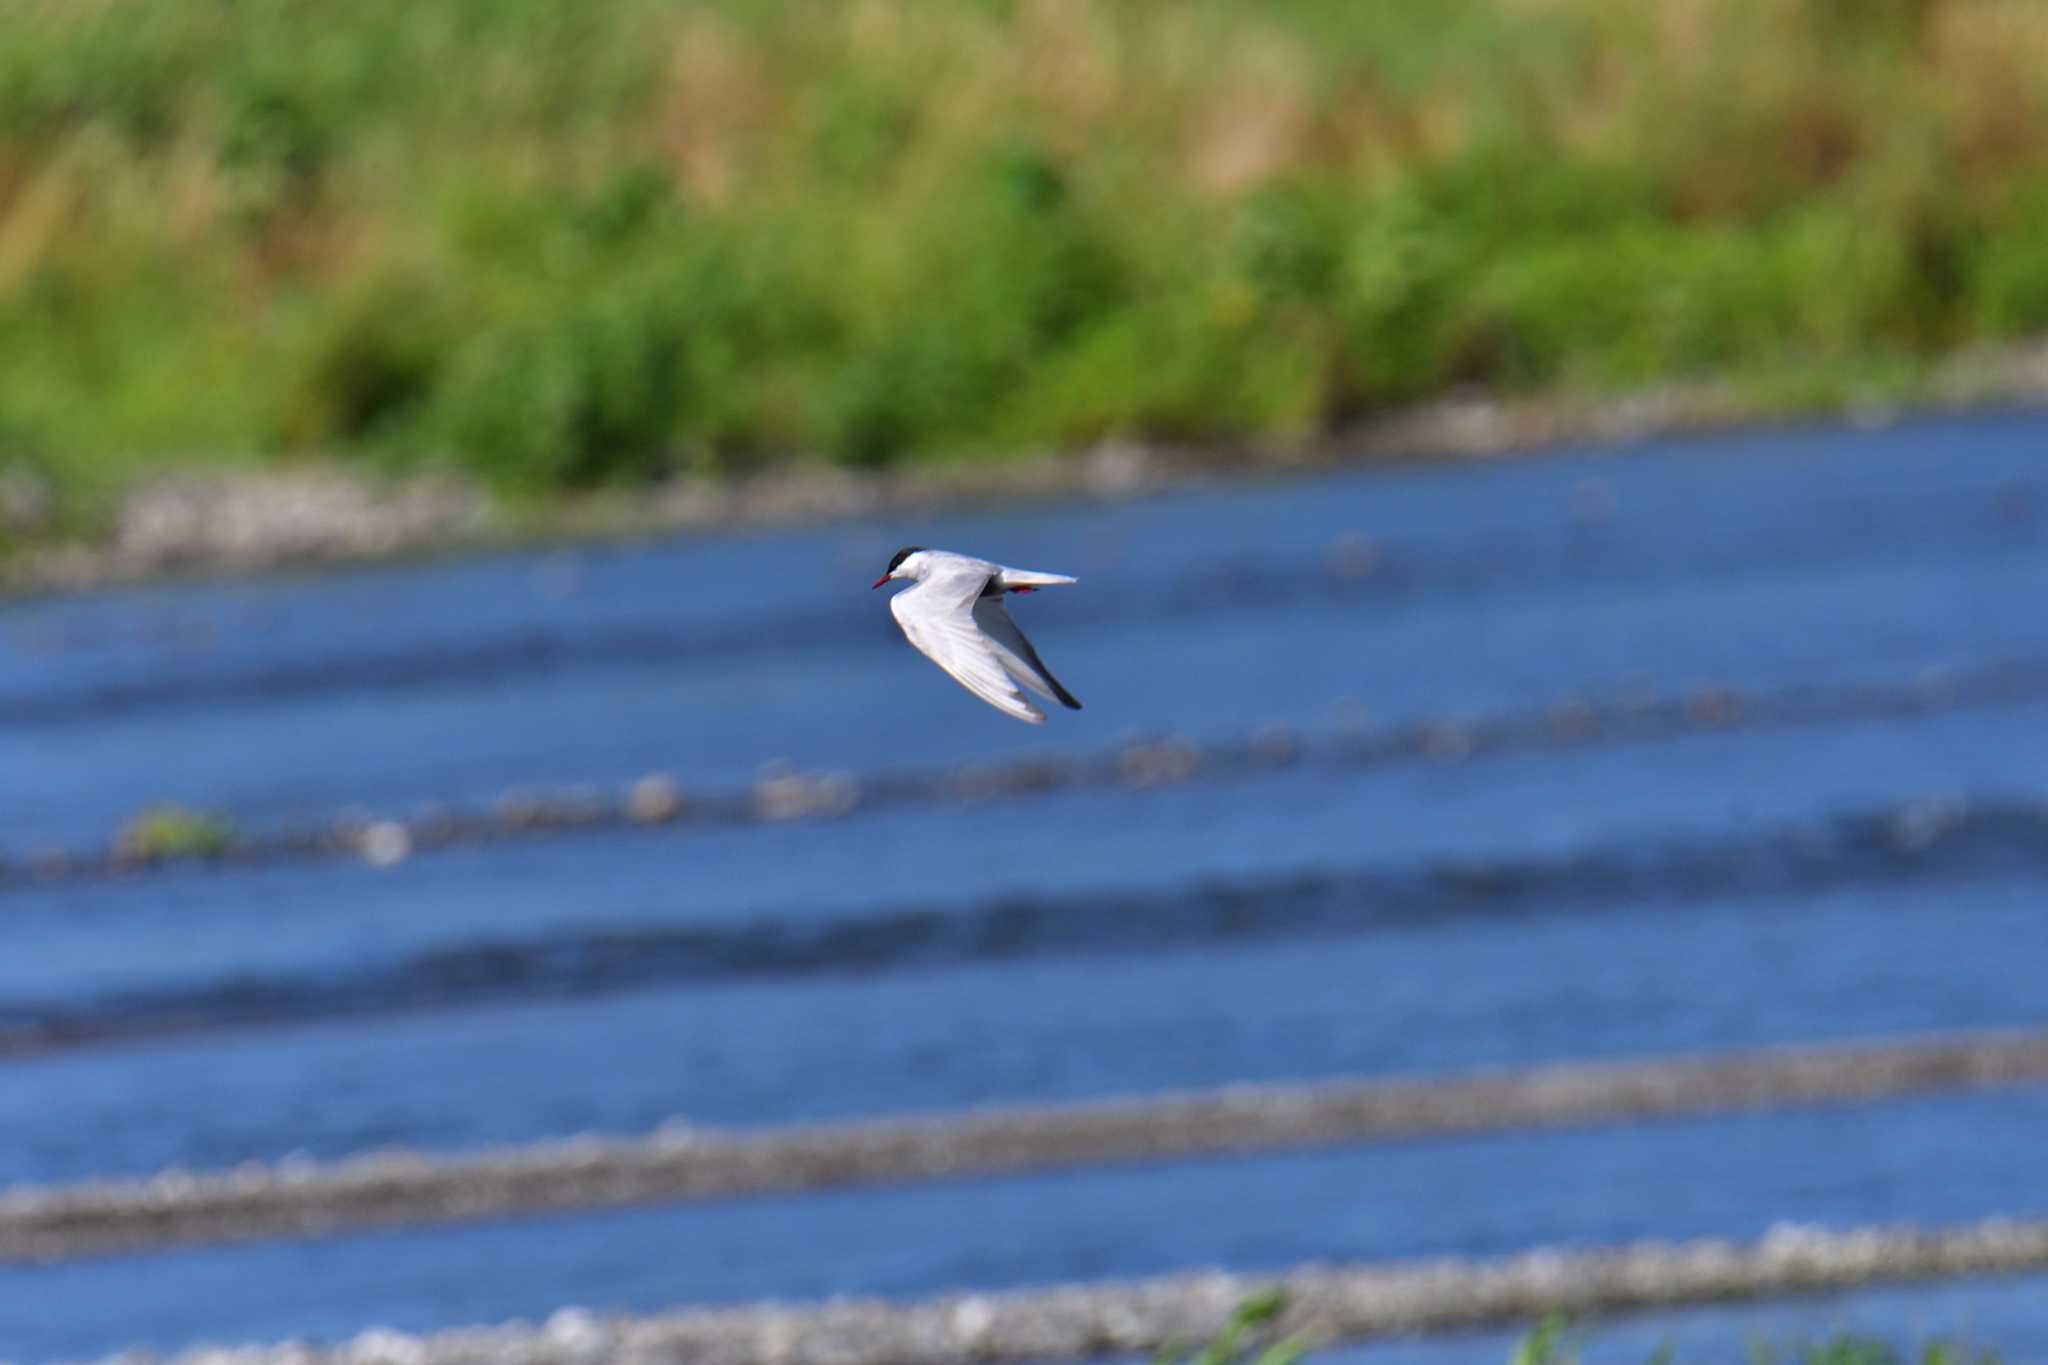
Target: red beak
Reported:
[(878, 582)]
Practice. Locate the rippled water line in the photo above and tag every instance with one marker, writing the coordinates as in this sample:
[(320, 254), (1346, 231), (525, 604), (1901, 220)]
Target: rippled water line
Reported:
[(1928, 840), (1322, 1305), (391, 1189), (783, 796), (1350, 568)]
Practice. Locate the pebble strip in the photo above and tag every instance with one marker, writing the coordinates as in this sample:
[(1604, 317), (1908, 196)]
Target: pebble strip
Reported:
[(1324, 1305), (679, 1163), (271, 519), (783, 794)]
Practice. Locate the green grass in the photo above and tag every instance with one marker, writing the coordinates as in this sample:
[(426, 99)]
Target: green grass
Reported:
[(1554, 1343), (1249, 1339), (1245, 1339), (568, 242), (171, 831)]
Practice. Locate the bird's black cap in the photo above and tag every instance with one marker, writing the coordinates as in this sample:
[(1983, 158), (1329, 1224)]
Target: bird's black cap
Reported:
[(896, 560)]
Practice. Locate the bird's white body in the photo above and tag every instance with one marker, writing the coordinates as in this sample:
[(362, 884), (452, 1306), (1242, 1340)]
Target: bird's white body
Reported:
[(954, 614)]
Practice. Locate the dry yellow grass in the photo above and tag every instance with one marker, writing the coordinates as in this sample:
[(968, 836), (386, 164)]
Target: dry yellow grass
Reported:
[(897, 225)]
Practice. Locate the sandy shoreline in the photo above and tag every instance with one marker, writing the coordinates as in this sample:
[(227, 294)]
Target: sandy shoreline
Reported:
[(297, 517)]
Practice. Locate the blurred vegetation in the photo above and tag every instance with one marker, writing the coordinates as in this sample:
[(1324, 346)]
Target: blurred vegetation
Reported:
[(172, 831), (560, 242), (1246, 1338), (1553, 1343)]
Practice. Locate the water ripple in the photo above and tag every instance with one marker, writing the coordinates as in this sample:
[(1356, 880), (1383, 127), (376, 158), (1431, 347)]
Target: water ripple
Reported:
[(1930, 840)]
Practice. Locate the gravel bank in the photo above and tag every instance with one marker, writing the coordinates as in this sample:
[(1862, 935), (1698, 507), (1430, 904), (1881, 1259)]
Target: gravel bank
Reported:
[(1325, 1304), (246, 523), (259, 1201)]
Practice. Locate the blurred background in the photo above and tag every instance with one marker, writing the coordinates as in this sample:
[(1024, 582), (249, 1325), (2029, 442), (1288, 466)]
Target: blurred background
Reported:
[(1392, 769)]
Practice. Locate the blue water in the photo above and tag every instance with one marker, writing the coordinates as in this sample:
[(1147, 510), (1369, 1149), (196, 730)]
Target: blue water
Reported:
[(1700, 891), (1967, 1157), (1413, 998)]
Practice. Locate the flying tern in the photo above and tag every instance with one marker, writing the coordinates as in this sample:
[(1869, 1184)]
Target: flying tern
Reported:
[(955, 615)]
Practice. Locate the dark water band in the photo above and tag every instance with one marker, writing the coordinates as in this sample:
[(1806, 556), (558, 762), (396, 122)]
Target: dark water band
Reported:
[(662, 801)]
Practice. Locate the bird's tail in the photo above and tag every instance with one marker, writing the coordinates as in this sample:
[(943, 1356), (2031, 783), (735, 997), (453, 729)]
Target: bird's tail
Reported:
[(1031, 578)]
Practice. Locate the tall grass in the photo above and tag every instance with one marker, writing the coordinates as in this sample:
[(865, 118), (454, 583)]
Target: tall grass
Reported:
[(565, 241)]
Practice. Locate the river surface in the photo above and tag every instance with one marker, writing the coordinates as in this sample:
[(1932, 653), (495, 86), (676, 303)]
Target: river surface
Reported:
[(1855, 846)]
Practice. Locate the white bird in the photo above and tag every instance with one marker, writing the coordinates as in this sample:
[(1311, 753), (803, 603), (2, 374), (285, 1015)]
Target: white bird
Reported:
[(955, 615)]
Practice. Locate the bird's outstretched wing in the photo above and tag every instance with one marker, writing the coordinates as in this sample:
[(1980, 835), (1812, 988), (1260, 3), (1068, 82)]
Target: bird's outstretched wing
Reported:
[(1016, 652), (939, 618)]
